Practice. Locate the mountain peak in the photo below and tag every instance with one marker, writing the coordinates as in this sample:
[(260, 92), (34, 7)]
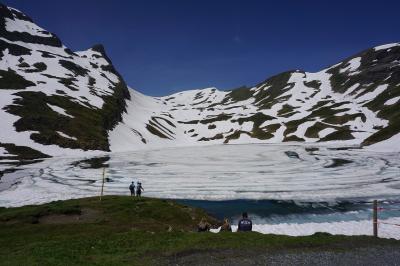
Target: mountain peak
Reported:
[(12, 13), (16, 26), (99, 48)]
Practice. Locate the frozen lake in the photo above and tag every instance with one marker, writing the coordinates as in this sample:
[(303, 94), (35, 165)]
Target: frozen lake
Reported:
[(310, 182)]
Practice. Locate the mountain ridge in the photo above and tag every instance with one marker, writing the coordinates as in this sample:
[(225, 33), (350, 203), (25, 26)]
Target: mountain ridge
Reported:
[(56, 102)]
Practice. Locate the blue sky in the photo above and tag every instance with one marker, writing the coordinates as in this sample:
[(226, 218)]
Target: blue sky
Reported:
[(165, 46)]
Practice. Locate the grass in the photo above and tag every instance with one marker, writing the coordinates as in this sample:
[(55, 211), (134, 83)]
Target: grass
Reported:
[(88, 125), (217, 136), (286, 109), (74, 68), (313, 84), (272, 128), (239, 94), (38, 67), (341, 134), (21, 153), (10, 80), (278, 85), (313, 131), (258, 119), (155, 131), (125, 230), (293, 138), (374, 71), (13, 49)]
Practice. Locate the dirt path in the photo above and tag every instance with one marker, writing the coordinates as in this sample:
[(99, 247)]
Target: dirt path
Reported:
[(388, 255)]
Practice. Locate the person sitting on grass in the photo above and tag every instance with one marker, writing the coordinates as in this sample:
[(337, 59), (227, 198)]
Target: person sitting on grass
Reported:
[(245, 224), (139, 189), (132, 188), (203, 226), (226, 226)]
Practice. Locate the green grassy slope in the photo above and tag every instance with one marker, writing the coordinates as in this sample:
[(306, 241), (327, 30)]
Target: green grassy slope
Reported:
[(122, 230)]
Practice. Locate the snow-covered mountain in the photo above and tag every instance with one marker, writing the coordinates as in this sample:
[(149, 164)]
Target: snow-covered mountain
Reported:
[(55, 102), (355, 102)]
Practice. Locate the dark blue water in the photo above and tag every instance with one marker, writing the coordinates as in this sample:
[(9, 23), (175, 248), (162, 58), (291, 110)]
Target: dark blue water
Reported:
[(268, 208), (273, 211)]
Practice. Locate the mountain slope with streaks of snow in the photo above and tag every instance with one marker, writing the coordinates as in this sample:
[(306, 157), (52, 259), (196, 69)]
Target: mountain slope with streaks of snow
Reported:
[(354, 102), (56, 102), (53, 102)]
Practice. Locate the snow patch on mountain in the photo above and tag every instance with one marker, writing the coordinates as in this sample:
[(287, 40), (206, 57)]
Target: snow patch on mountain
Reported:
[(392, 101), (65, 135), (388, 145), (59, 110), (26, 26), (386, 46), (352, 66)]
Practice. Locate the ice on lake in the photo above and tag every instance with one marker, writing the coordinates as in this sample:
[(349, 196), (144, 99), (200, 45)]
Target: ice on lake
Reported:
[(287, 173)]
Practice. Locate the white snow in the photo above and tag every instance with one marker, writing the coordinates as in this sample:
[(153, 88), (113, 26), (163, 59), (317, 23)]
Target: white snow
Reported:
[(326, 131), (59, 110), (373, 94), (363, 227), (386, 46), (3, 151), (389, 145), (66, 136), (25, 26), (352, 65), (392, 101)]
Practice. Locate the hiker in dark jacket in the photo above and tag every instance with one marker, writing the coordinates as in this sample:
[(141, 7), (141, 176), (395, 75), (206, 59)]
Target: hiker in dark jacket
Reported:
[(226, 226), (245, 224), (132, 188), (139, 189), (203, 226)]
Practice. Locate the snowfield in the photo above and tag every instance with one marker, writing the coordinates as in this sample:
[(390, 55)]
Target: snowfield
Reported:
[(218, 172)]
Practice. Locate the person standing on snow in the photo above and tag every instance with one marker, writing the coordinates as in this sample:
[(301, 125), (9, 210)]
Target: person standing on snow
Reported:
[(139, 189), (132, 189)]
